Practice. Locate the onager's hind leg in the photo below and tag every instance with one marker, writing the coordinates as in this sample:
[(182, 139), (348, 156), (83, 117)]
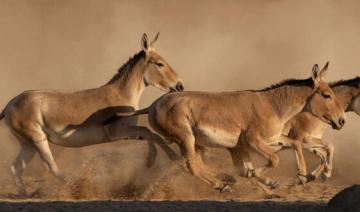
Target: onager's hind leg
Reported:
[(47, 157), (34, 133), (241, 160), (25, 155), (263, 149), (196, 166)]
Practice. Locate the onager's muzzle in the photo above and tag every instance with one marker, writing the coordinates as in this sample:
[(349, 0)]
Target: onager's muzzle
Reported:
[(178, 87), (338, 124)]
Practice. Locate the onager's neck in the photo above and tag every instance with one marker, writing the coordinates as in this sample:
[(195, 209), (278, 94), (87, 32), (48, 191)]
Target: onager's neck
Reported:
[(288, 100), (345, 94), (128, 84)]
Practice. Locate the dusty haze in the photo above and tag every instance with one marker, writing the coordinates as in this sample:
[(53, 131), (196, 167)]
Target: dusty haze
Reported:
[(213, 45)]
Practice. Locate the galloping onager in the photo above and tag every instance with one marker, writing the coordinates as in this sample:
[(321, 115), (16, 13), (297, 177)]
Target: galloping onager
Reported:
[(240, 120), (75, 119), (309, 129)]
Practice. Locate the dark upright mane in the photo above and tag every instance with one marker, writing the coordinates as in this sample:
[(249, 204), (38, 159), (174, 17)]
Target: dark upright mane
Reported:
[(125, 70), (292, 82), (350, 82)]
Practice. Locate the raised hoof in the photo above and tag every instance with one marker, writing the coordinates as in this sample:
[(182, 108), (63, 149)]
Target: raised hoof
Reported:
[(274, 185), (225, 189), (227, 179), (302, 179)]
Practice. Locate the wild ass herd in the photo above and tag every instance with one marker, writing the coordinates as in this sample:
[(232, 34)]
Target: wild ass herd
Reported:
[(290, 114)]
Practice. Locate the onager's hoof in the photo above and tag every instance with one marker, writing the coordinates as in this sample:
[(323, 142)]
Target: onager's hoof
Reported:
[(274, 184), (325, 176), (225, 189), (227, 179), (302, 179)]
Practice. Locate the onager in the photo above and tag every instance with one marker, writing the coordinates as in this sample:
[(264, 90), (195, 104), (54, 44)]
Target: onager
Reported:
[(309, 130), (75, 119), (240, 121)]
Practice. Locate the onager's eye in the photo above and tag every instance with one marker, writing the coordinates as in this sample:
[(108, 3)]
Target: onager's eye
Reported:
[(326, 96), (159, 64)]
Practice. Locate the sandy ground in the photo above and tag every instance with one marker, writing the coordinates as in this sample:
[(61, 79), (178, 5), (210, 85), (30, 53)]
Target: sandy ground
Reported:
[(111, 180), (120, 173)]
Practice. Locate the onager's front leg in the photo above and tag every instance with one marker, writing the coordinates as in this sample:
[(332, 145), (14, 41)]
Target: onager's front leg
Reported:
[(241, 160), (301, 164), (267, 152), (325, 151)]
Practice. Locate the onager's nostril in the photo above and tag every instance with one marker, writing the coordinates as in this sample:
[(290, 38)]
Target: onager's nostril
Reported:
[(342, 121), (179, 86)]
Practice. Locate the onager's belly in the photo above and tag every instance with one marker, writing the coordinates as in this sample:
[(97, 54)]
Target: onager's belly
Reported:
[(78, 137), (215, 137)]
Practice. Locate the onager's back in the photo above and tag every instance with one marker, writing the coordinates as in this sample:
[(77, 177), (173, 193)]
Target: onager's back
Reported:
[(238, 120)]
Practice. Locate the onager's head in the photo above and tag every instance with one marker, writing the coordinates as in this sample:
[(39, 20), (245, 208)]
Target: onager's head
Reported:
[(157, 71), (323, 102)]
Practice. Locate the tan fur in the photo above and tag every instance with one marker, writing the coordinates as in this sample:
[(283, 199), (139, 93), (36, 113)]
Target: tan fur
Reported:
[(75, 119), (246, 119), (309, 129)]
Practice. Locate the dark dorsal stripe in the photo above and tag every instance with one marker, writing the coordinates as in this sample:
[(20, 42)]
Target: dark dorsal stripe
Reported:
[(125, 70), (354, 82), (291, 82)]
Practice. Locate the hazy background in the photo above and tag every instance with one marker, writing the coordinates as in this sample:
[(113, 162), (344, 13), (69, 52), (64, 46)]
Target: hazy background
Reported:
[(213, 45)]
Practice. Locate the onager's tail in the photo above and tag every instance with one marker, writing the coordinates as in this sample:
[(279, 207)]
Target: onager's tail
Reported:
[(138, 112), (118, 116)]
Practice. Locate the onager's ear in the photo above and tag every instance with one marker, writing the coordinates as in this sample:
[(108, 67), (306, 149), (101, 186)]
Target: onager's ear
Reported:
[(145, 42), (316, 75), (324, 71), (155, 39)]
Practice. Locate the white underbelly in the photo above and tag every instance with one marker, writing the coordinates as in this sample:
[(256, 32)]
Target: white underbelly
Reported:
[(215, 137)]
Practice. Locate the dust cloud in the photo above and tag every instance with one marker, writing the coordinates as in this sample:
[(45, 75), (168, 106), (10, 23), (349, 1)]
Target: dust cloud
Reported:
[(213, 45)]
